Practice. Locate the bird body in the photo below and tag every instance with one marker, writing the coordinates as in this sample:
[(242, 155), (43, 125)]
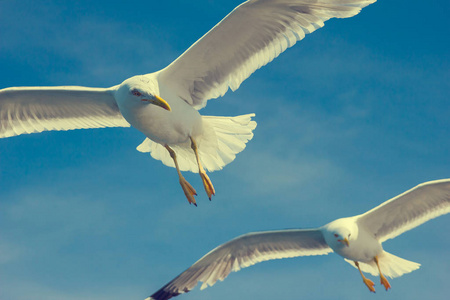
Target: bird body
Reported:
[(162, 126), (357, 239), (358, 243), (362, 245)]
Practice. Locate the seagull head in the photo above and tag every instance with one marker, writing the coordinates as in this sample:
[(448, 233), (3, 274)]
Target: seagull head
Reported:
[(342, 238), (148, 98), (341, 232), (138, 91)]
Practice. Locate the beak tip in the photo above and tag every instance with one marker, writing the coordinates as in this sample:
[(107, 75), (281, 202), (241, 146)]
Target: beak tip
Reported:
[(163, 103)]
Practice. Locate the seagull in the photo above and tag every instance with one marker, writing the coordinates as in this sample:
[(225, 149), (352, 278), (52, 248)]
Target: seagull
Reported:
[(358, 239), (164, 105)]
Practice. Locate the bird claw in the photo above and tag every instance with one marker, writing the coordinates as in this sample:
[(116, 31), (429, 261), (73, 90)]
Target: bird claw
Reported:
[(207, 184), (369, 283), (188, 190), (385, 282)]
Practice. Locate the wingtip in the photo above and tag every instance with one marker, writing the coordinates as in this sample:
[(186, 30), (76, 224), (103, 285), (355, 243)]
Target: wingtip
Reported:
[(164, 295)]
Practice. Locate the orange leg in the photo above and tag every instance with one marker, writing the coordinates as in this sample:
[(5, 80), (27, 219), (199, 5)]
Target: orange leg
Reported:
[(369, 283), (207, 184), (383, 279), (188, 190)]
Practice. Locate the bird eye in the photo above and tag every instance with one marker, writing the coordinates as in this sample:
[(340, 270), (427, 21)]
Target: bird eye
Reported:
[(136, 93), (336, 235)]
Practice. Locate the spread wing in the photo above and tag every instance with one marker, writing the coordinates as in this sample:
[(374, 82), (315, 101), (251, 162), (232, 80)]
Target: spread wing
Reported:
[(251, 36), (408, 210), (36, 109), (243, 252)]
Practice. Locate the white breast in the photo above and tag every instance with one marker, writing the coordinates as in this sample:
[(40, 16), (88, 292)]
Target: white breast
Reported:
[(165, 127), (364, 248), (168, 127)]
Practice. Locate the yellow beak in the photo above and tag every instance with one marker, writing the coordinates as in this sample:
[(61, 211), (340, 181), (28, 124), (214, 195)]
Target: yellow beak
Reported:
[(159, 102), (345, 242)]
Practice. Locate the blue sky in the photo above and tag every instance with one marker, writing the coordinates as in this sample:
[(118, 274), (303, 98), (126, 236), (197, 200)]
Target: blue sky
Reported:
[(351, 116)]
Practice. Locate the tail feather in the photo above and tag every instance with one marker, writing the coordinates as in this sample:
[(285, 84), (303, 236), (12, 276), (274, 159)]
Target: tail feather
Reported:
[(391, 266), (185, 156), (222, 139)]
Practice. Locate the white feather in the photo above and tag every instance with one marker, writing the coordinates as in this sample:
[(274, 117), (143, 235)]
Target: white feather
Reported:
[(36, 109), (392, 266), (251, 36), (222, 139), (408, 210), (243, 252)]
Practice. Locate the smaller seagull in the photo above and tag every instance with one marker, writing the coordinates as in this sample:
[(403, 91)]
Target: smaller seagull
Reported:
[(358, 239)]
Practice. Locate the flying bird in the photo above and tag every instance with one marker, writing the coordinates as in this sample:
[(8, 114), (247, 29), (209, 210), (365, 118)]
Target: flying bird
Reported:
[(164, 105), (358, 239)]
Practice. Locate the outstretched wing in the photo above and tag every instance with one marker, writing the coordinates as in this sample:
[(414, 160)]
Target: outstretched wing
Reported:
[(36, 109), (408, 210), (251, 36), (243, 252)]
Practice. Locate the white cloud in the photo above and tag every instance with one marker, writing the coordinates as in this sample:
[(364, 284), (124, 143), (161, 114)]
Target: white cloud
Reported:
[(9, 252), (266, 173)]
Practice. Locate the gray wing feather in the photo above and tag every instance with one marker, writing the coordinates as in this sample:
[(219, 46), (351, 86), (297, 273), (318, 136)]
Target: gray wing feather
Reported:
[(36, 109), (242, 252), (251, 36), (408, 210)]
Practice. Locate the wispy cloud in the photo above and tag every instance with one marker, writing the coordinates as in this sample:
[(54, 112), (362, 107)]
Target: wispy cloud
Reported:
[(9, 252), (40, 291), (79, 47), (52, 222)]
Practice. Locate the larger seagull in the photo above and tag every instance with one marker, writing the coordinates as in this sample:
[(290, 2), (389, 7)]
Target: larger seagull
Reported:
[(358, 239), (164, 105)]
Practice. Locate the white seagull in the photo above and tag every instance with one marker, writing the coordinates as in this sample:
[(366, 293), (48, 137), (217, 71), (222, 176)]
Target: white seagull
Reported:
[(164, 105), (358, 239)]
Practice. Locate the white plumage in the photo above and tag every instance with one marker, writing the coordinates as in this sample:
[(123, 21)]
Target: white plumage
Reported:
[(251, 36), (228, 137), (358, 239)]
